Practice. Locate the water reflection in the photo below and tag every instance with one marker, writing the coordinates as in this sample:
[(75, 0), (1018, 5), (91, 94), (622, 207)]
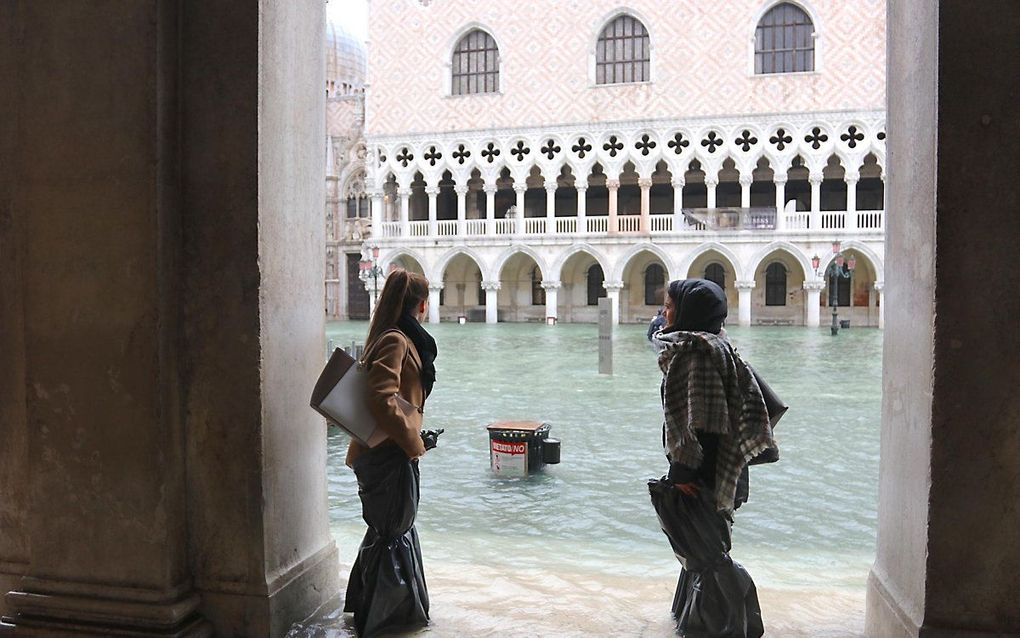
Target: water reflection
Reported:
[(806, 534)]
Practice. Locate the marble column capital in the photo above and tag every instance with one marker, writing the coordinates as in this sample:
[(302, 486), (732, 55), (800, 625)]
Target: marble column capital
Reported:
[(612, 184), (879, 286), (551, 285), (811, 286), (745, 285), (645, 182), (491, 285), (613, 286)]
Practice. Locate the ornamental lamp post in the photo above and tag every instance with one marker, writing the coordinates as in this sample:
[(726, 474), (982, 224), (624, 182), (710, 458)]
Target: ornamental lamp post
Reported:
[(833, 274), (369, 268)]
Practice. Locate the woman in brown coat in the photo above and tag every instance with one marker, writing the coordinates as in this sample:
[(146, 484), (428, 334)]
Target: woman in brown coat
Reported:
[(387, 589)]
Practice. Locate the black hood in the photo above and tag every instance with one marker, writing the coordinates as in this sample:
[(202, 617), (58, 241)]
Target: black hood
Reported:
[(700, 306)]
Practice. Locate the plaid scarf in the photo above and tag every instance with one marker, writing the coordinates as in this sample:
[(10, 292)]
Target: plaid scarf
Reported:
[(708, 387)]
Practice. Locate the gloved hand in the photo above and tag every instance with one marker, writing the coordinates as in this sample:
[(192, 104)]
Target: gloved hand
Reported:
[(431, 437)]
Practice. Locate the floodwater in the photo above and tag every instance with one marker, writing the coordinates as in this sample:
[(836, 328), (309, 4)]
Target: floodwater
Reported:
[(577, 550)]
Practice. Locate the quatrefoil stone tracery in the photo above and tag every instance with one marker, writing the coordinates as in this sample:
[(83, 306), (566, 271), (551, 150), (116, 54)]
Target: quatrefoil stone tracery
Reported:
[(852, 136), (550, 149), (781, 139), (520, 150), (614, 146), (405, 157), (582, 147), (461, 154), (816, 138), (746, 140), (490, 152), (433, 156), (645, 144), (678, 143), (712, 141)]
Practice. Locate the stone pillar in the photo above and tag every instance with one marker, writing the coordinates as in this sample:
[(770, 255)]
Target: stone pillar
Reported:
[(613, 289), (645, 183), (582, 206), (711, 183), (491, 289), (462, 191), (174, 477), (851, 199), (745, 190), (404, 192), (490, 209), (744, 289), (433, 194), (812, 303), (780, 181), (815, 220), (519, 189), (678, 204), (377, 214), (373, 293), (879, 286), (434, 290), (614, 186), (550, 207), (950, 407), (552, 289)]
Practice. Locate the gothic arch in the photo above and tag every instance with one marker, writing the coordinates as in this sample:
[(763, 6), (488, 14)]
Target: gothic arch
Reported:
[(685, 266), (621, 264), (439, 270), (557, 266), (497, 267), (782, 246), (389, 258)]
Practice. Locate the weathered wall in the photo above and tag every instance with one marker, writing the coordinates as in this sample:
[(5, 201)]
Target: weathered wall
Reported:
[(947, 564), (547, 49), (164, 319)]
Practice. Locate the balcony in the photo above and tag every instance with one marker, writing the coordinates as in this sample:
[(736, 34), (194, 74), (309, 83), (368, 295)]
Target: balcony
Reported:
[(691, 221)]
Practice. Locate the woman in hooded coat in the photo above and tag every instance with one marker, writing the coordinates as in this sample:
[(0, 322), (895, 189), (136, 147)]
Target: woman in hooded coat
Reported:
[(715, 421)]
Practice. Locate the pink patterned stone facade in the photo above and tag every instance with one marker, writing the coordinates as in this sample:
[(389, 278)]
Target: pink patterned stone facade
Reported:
[(702, 63)]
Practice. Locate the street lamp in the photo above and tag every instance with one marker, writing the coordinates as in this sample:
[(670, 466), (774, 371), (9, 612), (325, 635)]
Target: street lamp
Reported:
[(833, 274), (370, 269)]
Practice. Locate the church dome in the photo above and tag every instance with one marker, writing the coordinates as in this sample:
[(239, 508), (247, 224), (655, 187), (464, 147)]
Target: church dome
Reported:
[(345, 62)]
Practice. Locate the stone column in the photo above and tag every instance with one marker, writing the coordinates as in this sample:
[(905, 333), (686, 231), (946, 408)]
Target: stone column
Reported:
[(950, 407), (550, 208), (433, 195), (372, 294), (851, 199), (711, 183), (434, 290), (404, 192), (744, 289), (491, 289), (614, 186), (552, 289), (582, 206), (462, 191), (174, 477), (879, 286), (812, 303), (519, 189), (815, 179), (780, 181), (745, 190), (377, 214), (336, 229), (678, 204), (645, 183), (490, 209), (613, 289)]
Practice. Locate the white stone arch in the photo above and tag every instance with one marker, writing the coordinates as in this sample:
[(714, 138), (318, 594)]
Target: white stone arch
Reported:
[(807, 8), (561, 259), (350, 173), (439, 270), (623, 261), (612, 166), (389, 257), (746, 161), (684, 265), (497, 267), (451, 45), (782, 246), (865, 251), (555, 165), (593, 41)]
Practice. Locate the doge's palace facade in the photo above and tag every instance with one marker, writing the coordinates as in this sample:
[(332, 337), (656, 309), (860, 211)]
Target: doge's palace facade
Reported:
[(531, 157)]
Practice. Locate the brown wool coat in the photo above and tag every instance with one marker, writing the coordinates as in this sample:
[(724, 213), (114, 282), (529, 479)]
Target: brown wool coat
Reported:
[(394, 368)]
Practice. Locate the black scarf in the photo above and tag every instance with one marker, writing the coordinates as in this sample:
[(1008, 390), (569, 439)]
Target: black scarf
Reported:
[(699, 305), (426, 347)]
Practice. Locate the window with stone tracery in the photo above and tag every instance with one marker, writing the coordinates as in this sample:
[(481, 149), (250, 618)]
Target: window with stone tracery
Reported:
[(475, 67), (784, 41), (623, 52)]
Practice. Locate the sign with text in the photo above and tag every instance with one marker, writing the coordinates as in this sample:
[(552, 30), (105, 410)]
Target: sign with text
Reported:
[(509, 458)]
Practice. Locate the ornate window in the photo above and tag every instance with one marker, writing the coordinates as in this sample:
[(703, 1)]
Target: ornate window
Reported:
[(655, 280), (475, 66), (622, 53), (715, 272), (537, 291), (784, 41), (596, 287), (775, 284)]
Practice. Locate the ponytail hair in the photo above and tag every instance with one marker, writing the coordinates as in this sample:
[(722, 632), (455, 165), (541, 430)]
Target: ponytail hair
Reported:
[(402, 293)]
